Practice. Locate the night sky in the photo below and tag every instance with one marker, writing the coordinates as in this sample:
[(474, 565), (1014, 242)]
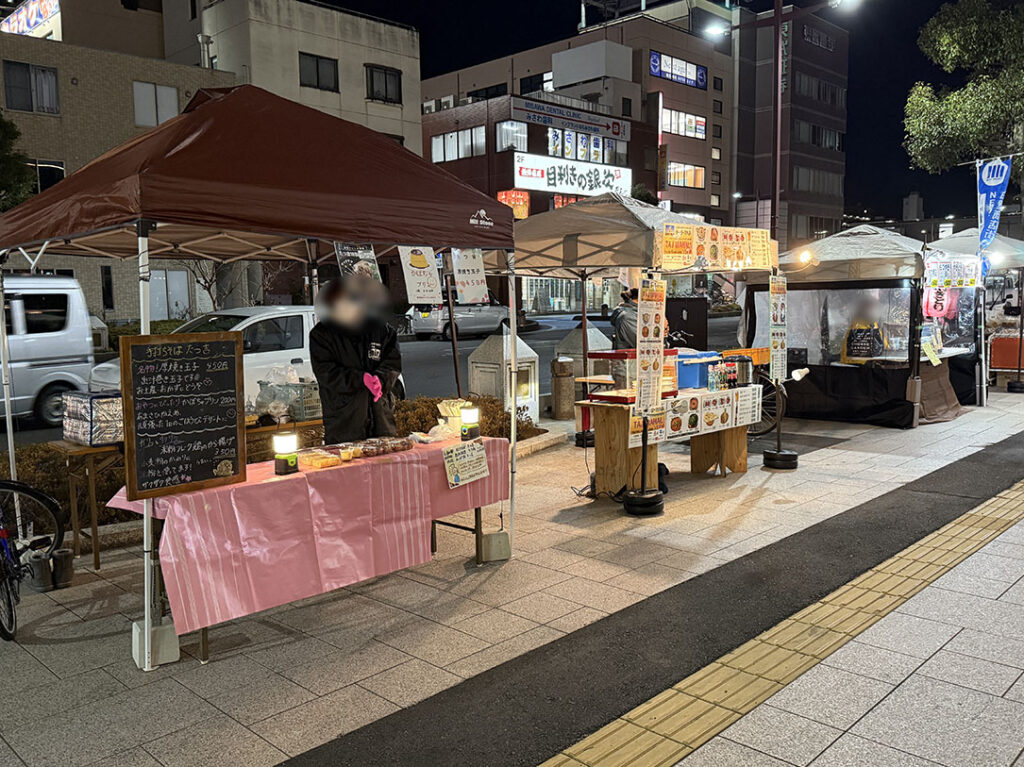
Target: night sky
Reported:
[(884, 62)]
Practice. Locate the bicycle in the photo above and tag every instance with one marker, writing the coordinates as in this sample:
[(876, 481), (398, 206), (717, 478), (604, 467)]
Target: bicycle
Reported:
[(30, 522)]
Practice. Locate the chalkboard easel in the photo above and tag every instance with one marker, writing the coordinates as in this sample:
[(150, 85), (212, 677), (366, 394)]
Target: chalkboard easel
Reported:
[(184, 412)]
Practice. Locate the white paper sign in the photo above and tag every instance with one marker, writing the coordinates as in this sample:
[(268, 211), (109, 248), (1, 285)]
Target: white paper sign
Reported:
[(650, 345), (777, 327), (422, 285), (465, 462), (470, 281)]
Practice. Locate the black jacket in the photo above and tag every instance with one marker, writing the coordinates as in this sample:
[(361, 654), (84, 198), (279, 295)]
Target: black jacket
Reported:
[(340, 357)]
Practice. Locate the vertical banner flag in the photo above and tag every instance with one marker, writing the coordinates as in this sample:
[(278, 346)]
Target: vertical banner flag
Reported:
[(650, 345), (470, 282), (993, 178), (777, 327), (422, 285)]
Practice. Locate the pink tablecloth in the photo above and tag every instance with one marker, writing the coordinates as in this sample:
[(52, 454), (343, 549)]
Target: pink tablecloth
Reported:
[(235, 550)]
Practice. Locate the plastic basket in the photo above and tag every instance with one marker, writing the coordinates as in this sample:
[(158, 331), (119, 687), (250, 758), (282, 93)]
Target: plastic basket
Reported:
[(758, 355)]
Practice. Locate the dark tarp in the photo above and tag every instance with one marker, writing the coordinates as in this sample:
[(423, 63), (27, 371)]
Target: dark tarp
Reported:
[(242, 160)]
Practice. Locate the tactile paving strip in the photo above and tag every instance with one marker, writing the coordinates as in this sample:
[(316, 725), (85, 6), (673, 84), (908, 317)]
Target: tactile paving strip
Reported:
[(670, 725)]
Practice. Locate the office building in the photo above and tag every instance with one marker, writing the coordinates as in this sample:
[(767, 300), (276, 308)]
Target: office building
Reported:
[(813, 158)]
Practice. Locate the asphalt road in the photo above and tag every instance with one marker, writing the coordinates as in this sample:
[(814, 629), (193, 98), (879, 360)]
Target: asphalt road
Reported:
[(429, 370)]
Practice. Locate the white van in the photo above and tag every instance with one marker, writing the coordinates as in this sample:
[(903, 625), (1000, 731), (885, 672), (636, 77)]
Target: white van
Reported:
[(51, 343)]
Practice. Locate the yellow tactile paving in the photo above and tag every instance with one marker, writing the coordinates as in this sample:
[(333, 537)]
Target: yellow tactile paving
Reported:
[(670, 725)]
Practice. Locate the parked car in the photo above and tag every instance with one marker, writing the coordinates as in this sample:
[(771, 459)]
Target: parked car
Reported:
[(50, 340), (483, 319), (1002, 288), (271, 336)]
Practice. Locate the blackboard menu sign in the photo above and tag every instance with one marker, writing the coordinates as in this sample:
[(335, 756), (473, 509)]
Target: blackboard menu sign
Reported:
[(184, 412)]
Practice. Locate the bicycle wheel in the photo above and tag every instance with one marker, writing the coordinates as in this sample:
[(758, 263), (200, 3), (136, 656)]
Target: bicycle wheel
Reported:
[(771, 413), (30, 520), (8, 613)]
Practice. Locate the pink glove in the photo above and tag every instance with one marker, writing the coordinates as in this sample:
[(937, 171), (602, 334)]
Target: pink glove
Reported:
[(372, 383)]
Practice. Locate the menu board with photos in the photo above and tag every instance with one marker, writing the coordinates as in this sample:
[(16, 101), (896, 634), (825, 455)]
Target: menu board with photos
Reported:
[(650, 344), (184, 418), (777, 327), (709, 247), (717, 410), (656, 433)]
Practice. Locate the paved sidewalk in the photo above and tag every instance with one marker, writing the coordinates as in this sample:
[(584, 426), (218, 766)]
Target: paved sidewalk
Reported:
[(938, 681), (283, 682)]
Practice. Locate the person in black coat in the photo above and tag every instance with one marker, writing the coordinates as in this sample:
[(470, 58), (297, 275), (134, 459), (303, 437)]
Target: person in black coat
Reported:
[(356, 361)]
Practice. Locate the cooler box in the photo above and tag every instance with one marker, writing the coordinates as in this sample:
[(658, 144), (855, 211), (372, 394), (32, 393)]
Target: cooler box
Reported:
[(93, 418), (692, 368)]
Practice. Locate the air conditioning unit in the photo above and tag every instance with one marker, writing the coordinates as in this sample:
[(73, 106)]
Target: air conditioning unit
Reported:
[(429, 107)]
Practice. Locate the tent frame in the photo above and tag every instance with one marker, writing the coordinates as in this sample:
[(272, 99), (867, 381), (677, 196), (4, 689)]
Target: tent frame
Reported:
[(143, 230)]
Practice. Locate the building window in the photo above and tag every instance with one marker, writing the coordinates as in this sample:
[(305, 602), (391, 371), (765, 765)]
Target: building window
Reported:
[(29, 88), (678, 70), (581, 146), (383, 84), (716, 107), (627, 107), (457, 145), (534, 83), (716, 153), (820, 90), (716, 83), (154, 104), (817, 181), (716, 178), (169, 294), (47, 172), (193, 11), (682, 174), (716, 131), (511, 134), (107, 282), (318, 72), (684, 124), (817, 135), (716, 201), (490, 92)]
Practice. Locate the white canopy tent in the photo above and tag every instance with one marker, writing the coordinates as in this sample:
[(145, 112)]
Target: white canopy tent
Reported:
[(1004, 252), (864, 252)]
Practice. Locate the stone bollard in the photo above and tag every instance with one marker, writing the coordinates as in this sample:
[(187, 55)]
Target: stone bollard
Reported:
[(563, 389)]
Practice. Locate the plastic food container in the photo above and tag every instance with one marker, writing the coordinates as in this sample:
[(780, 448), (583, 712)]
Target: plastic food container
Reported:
[(692, 368)]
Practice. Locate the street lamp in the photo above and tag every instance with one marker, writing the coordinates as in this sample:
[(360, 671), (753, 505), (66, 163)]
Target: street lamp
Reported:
[(718, 30)]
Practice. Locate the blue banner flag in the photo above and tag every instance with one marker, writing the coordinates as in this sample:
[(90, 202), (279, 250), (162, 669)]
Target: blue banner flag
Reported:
[(993, 178)]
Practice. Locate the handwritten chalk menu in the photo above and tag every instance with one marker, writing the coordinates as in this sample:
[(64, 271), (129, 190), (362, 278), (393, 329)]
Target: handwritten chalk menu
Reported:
[(184, 412)]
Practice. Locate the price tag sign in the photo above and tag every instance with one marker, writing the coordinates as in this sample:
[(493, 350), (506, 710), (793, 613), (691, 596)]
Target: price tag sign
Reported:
[(777, 327), (928, 347), (464, 463), (650, 345)]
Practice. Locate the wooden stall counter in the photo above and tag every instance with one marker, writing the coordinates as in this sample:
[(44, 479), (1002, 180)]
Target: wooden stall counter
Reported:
[(617, 466)]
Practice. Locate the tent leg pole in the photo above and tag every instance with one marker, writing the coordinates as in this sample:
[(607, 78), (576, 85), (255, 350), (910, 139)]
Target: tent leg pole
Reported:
[(513, 381), (147, 504), (5, 363)]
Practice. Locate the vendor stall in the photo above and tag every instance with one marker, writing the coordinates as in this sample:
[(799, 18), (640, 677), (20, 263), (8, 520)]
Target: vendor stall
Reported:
[(226, 181), (856, 319)]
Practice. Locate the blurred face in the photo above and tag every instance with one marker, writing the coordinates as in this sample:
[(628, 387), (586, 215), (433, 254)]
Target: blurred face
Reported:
[(349, 302)]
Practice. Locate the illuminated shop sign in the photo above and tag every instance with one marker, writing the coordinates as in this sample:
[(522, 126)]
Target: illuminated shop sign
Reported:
[(679, 71), (29, 15), (567, 118), (518, 200), (554, 174)]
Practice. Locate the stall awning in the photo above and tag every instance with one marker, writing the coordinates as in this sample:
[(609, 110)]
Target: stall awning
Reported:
[(242, 173), (862, 253), (1003, 253)]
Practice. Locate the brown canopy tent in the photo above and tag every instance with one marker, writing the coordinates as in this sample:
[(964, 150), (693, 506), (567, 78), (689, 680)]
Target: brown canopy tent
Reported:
[(244, 174)]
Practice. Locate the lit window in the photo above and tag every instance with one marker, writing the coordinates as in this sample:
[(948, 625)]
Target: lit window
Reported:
[(511, 134), (716, 201), (684, 124), (716, 153), (683, 174), (456, 145)]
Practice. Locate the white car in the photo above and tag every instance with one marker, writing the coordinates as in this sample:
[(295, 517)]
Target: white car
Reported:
[(271, 335), (427, 320)]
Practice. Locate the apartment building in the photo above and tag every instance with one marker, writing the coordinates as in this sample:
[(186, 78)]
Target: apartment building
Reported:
[(83, 76), (71, 105)]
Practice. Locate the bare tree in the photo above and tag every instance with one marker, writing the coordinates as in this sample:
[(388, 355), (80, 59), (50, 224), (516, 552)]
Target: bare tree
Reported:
[(205, 273)]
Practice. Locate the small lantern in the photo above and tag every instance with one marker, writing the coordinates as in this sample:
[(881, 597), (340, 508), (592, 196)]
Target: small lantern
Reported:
[(490, 371), (286, 459), (470, 423)]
